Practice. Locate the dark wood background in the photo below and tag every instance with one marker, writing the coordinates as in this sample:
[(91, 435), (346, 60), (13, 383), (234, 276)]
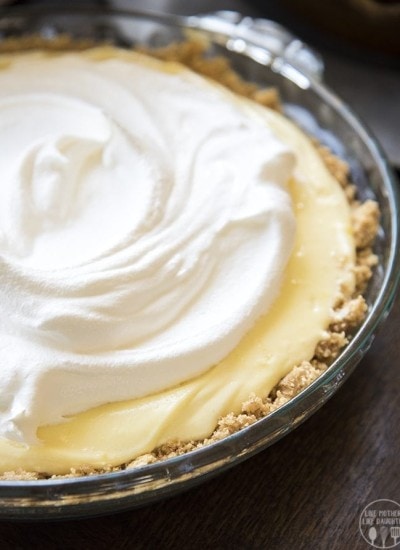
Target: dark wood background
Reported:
[(305, 492)]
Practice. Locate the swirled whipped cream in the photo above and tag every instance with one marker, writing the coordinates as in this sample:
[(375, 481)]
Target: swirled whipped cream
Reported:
[(144, 228)]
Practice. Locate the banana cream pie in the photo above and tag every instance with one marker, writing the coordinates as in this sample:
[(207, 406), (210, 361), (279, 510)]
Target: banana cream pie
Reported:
[(177, 259)]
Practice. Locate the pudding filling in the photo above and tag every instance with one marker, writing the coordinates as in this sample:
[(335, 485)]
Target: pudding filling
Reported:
[(169, 252)]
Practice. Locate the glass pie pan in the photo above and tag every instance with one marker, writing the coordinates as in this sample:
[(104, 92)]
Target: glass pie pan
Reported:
[(263, 52)]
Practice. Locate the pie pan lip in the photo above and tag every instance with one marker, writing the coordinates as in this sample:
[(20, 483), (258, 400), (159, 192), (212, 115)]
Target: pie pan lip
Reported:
[(110, 492)]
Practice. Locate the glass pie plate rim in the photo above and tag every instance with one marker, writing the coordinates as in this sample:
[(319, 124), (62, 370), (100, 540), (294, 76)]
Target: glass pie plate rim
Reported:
[(115, 491)]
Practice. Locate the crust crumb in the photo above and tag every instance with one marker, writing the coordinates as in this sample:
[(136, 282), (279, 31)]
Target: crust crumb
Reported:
[(365, 220), (232, 423), (330, 345), (192, 54), (337, 167), (57, 43), (349, 315), (19, 475), (366, 260), (268, 97), (257, 407), (142, 460), (174, 448), (296, 381)]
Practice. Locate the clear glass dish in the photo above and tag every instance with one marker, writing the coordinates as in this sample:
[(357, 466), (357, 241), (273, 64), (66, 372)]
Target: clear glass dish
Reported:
[(267, 54)]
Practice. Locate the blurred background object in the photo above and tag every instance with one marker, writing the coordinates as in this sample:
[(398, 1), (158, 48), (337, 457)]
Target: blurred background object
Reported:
[(367, 27)]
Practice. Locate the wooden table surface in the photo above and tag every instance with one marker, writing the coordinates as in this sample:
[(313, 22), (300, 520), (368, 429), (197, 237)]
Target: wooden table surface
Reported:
[(305, 492)]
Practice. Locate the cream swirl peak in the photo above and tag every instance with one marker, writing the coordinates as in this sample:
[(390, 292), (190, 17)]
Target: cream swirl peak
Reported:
[(144, 227)]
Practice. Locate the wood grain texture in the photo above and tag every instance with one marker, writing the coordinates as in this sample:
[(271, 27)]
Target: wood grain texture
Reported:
[(306, 491)]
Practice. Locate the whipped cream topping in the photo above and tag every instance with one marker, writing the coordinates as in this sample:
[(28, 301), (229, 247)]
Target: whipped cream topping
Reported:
[(144, 228)]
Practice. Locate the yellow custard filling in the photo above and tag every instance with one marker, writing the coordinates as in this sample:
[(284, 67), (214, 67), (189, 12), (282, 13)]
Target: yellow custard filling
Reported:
[(320, 264)]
